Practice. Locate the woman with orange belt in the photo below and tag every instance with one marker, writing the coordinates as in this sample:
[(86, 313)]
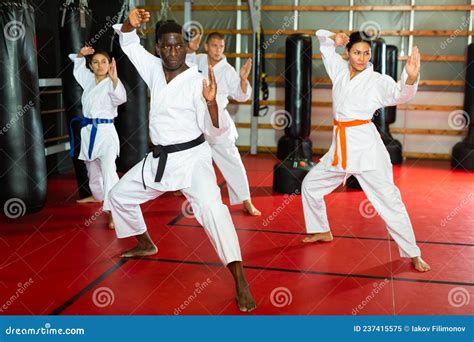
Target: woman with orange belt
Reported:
[(357, 148)]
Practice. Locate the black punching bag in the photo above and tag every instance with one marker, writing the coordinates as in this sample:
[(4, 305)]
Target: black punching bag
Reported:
[(294, 148), (463, 152), (298, 67), (22, 158), (132, 120), (75, 20)]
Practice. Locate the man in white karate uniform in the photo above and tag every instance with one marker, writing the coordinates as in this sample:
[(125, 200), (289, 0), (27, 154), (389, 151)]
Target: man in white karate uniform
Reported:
[(357, 148), (229, 84), (183, 107)]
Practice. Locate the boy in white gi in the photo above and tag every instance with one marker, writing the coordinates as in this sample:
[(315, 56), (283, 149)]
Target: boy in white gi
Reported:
[(100, 146), (183, 107), (229, 83), (357, 148)]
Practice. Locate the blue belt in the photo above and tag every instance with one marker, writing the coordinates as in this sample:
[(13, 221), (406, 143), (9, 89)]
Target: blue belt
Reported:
[(85, 122)]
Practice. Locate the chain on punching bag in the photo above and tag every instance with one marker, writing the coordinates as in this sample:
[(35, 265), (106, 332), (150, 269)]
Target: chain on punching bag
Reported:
[(22, 158), (132, 120), (75, 21)]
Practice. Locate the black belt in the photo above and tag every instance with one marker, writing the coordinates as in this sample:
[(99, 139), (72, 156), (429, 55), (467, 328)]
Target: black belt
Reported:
[(162, 152)]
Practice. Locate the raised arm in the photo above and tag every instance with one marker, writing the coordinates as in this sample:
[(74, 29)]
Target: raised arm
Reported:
[(240, 89), (391, 93), (81, 73), (117, 92), (146, 64), (209, 119), (193, 45), (328, 41)]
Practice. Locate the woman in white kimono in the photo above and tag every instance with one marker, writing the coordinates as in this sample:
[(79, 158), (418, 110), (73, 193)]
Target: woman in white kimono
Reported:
[(103, 93), (357, 148)]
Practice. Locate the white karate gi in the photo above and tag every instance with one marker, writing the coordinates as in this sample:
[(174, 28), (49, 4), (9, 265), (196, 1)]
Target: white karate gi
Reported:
[(99, 101), (224, 152), (367, 157), (178, 113)]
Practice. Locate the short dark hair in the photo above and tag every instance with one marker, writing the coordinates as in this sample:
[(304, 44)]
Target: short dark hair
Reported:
[(168, 26), (359, 37), (158, 25), (103, 53), (214, 35)]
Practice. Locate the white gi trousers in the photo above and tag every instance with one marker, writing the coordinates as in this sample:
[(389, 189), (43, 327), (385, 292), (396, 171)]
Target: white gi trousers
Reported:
[(227, 158), (203, 195), (380, 190), (102, 173)]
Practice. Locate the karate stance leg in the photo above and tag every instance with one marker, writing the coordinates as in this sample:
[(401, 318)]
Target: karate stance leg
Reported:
[(385, 197), (94, 173), (205, 198), (317, 184), (228, 160), (125, 199), (109, 176)]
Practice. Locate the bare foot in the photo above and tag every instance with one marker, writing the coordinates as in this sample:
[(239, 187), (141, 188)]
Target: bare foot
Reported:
[(111, 222), (420, 264), (140, 250), (250, 208), (244, 298), (89, 199), (324, 237)]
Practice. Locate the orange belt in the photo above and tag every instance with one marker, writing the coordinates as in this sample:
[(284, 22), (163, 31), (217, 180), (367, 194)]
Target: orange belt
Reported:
[(341, 130)]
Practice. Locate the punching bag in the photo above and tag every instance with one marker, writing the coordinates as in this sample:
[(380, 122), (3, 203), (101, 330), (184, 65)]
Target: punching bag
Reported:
[(298, 67), (22, 159), (295, 147), (132, 120), (463, 152), (75, 20)]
